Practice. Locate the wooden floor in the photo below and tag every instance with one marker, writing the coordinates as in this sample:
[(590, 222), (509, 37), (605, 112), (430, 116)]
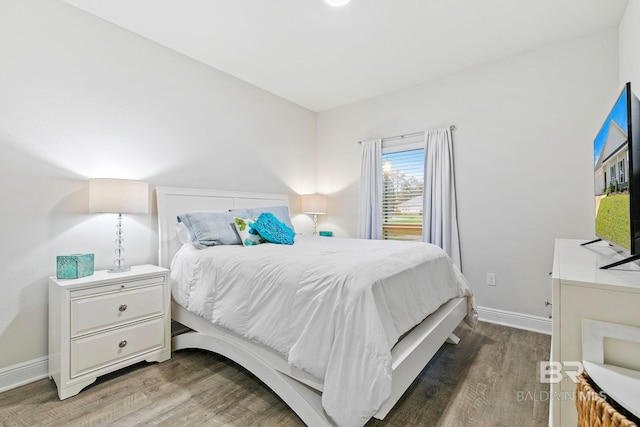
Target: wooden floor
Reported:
[(489, 379)]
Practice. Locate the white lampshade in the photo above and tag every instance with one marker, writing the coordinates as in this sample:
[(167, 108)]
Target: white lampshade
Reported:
[(337, 3), (118, 196), (314, 204)]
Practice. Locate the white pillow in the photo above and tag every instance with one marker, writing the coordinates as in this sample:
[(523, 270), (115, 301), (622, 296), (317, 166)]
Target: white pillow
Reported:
[(183, 233)]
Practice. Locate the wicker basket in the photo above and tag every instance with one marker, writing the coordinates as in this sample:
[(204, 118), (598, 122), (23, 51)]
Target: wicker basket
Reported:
[(594, 410)]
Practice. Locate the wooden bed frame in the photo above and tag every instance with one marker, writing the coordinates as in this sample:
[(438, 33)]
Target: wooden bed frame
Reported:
[(301, 391)]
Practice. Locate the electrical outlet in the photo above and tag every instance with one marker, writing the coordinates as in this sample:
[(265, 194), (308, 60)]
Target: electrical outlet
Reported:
[(491, 279)]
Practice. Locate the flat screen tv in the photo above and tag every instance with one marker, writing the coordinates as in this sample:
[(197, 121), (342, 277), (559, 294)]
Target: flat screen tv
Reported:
[(617, 178)]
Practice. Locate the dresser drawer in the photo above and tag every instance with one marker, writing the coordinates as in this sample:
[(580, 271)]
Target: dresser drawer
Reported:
[(97, 351), (96, 312)]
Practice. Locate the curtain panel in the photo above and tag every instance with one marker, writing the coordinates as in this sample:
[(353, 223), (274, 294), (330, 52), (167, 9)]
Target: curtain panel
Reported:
[(370, 199), (440, 222)]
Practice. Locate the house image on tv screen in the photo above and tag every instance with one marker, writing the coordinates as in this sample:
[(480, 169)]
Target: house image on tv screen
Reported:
[(611, 177), (612, 165)]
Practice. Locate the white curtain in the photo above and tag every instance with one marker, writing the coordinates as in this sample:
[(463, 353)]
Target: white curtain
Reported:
[(370, 204), (440, 223)]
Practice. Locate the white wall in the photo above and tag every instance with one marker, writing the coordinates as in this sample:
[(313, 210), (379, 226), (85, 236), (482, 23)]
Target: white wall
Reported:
[(629, 46), (81, 98), (523, 154)]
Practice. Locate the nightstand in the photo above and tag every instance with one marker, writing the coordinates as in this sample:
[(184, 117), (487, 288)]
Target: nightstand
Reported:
[(106, 321)]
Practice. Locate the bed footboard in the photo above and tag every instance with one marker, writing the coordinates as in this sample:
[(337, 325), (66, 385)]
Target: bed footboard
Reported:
[(303, 392), (412, 354)]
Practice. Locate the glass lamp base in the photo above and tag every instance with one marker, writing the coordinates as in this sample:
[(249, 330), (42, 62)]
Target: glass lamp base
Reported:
[(120, 266)]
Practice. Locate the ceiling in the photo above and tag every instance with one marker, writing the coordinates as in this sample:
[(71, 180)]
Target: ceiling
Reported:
[(322, 57)]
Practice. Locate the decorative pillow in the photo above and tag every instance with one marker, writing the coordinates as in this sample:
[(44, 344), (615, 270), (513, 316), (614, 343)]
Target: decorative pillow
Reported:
[(274, 231), (280, 212), (183, 233), (212, 228), (248, 234)]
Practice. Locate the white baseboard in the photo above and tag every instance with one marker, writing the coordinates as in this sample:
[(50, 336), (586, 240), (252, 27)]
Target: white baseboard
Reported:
[(527, 322), (23, 373)]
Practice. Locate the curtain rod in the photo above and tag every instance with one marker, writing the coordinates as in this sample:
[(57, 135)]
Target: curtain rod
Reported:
[(406, 135)]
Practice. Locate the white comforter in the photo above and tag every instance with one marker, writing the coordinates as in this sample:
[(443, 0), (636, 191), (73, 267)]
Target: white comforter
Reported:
[(332, 307)]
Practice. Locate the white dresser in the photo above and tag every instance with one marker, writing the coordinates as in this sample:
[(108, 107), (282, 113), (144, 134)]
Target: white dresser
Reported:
[(581, 290), (106, 321)]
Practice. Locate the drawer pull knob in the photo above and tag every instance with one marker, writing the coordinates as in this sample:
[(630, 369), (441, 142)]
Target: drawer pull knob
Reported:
[(123, 307), (547, 303), (122, 344)]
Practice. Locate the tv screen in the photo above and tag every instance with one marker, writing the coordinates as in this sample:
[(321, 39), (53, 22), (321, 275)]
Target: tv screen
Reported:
[(611, 175), (617, 174)]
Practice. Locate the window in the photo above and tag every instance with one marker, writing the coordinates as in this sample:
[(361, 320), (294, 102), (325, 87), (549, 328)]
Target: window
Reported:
[(402, 194), (622, 168)]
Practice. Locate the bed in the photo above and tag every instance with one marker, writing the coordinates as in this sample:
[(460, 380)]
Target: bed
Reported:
[(315, 390)]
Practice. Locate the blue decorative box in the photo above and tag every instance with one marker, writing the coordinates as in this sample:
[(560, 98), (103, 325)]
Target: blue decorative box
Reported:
[(74, 266), (326, 233)]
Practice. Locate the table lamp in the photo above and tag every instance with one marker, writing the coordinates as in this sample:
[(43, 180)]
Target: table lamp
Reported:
[(118, 196), (314, 204)]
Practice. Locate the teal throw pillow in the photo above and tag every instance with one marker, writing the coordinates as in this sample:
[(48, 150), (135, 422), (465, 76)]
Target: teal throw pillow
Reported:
[(273, 230)]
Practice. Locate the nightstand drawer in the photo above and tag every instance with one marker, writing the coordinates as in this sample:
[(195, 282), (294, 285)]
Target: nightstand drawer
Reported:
[(102, 311), (100, 350)]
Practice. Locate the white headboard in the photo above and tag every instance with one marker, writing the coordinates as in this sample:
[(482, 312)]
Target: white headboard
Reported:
[(173, 201)]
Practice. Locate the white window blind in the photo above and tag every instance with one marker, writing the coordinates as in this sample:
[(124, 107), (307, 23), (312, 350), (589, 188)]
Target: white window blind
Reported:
[(402, 194)]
